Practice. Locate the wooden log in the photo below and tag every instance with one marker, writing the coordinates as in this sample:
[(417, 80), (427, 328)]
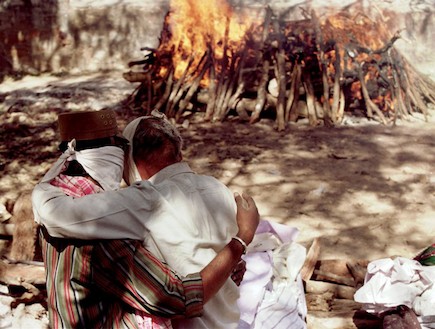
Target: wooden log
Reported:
[(311, 107), (236, 96), (280, 74), (331, 277), (211, 90), (266, 60), (261, 91), (15, 274), (338, 290), (319, 302), (224, 80), (344, 305), (340, 271), (241, 108), (370, 105), (343, 320), (341, 108), (25, 244), (237, 84), (401, 110), (167, 92), (311, 260), (194, 86), (132, 76), (293, 97), (178, 90), (324, 70), (336, 112), (6, 229)]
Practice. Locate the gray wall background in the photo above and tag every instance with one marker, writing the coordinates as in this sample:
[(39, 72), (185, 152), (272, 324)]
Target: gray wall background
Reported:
[(77, 36)]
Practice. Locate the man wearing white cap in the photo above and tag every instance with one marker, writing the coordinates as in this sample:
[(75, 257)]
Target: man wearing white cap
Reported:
[(98, 284)]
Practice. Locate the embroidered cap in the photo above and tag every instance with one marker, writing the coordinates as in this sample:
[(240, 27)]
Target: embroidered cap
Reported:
[(87, 125)]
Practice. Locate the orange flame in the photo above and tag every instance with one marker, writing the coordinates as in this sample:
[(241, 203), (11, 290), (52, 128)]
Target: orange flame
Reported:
[(198, 27)]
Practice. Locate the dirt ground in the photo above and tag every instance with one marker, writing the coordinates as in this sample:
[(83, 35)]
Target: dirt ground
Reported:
[(366, 190)]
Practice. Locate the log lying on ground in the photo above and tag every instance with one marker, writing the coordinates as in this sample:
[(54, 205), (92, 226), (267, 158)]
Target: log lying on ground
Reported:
[(25, 244), (7, 229), (343, 319)]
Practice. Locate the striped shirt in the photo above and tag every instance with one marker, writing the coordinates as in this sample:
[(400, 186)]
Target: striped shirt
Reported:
[(102, 284)]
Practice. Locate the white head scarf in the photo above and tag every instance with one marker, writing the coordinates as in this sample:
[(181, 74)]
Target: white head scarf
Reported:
[(104, 164), (131, 174)]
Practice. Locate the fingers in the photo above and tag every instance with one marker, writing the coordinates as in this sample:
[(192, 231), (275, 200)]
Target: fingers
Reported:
[(244, 200), (249, 201), (239, 272)]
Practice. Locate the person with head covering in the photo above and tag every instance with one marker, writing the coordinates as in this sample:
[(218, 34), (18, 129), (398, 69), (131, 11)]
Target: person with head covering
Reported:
[(98, 284), (198, 209)]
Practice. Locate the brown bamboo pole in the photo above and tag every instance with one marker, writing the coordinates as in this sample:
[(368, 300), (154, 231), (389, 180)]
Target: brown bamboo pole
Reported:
[(224, 79), (281, 79), (264, 79), (294, 94), (341, 108), (211, 88), (178, 89), (324, 68), (336, 93), (205, 65), (167, 92), (261, 91), (370, 106), (309, 91)]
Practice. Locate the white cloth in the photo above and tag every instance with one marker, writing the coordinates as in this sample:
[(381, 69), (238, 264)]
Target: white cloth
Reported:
[(272, 293), (186, 219), (104, 164), (400, 281), (131, 174), (424, 304)]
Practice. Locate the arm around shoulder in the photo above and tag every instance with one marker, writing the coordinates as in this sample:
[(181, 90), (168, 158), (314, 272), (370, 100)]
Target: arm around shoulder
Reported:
[(108, 215)]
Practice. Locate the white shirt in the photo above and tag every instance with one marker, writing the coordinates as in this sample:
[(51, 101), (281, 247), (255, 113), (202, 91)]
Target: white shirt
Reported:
[(185, 218)]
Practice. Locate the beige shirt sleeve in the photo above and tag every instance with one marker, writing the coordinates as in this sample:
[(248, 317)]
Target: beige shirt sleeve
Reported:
[(108, 215)]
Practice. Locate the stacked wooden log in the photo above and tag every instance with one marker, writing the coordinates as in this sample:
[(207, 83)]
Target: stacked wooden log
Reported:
[(320, 68), (330, 285)]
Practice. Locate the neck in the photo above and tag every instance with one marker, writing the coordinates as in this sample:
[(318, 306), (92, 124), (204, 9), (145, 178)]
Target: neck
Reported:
[(146, 171)]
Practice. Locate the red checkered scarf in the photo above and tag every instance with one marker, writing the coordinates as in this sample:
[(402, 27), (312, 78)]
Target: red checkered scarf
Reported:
[(76, 186)]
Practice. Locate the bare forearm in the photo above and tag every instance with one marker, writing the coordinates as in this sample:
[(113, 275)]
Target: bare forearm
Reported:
[(215, 274), (220, 268)]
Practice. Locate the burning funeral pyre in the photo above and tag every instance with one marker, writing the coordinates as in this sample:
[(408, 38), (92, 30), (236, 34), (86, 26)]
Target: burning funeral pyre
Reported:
[(219, 62)]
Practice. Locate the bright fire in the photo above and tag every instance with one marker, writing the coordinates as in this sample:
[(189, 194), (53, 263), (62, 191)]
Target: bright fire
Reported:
[(197, 27)]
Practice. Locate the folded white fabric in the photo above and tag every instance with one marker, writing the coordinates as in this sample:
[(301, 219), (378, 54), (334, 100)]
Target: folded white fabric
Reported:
[(272, 293), (424, 305), (392, 282)]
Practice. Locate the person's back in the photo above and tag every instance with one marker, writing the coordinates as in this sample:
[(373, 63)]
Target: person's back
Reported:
[(74, 300), (197, 218)]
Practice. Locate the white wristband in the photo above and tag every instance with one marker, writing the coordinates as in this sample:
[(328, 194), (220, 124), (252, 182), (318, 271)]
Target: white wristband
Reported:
[(245, 247)]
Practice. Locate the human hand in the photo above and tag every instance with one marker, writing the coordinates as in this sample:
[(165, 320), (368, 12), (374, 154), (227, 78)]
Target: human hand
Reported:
[(239, 272), (248, 217)]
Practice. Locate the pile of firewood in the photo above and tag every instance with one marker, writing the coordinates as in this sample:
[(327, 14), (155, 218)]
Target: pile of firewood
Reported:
[(330, 286), (320, 68)]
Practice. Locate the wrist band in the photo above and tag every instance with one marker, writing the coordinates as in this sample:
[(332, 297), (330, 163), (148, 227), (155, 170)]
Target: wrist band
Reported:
[(242, 243)]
